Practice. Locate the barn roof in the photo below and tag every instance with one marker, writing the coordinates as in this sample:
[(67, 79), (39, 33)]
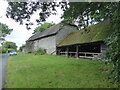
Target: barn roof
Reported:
[(50, 31), (94, 33)]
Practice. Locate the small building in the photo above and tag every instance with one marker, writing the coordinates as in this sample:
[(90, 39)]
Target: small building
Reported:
[(49, 39), (87, 43), (24, 49)]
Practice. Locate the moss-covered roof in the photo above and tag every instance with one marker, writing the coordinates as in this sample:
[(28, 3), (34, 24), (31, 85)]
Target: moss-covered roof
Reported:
[(94, 33)]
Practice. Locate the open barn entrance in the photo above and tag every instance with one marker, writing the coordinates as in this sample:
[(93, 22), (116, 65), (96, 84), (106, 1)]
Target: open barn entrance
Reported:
[(86, 50)]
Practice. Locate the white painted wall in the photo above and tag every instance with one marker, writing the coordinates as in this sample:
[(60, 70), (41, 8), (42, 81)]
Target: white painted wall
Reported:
[(47, 43)]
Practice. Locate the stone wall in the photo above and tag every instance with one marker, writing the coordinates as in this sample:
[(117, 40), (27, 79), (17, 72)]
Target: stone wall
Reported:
[(24, 50), (47, 43), (29, 46)]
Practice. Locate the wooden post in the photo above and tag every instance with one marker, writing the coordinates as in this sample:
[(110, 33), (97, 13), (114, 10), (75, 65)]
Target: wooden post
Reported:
[(59, 51), (77, 52), (67, 52)]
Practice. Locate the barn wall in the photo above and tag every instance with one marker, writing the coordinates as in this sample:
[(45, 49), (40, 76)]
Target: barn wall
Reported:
[(24, 50), (47, 43), (28, 47), (36, 44), (64, 32)]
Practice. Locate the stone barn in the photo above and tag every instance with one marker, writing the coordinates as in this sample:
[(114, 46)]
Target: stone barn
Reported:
[(50, 38), (87, 43)]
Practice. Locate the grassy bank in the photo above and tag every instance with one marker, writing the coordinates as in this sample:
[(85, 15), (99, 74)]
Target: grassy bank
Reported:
[(48, 71)]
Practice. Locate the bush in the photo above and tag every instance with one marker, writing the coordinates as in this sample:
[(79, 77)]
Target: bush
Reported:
[(113, 55), (31, 51), (40, 51), (3, 50)]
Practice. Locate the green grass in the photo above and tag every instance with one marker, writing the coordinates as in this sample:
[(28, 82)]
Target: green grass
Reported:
[(48, 71)]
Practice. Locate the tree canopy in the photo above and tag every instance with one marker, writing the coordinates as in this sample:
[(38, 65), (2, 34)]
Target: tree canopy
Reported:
[(9, 45), (85, 12), (43, 27), (4, 31), (20, 11)]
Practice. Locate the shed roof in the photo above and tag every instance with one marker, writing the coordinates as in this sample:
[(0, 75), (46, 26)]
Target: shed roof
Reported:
[(50, 31), (97, 32)]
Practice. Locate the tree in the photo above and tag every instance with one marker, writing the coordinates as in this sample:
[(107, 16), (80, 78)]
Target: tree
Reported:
[(43, 27), (20, 49), (10, 46), (3, 50), (113, 55), (20, 11), (4, 31), (85, 13)]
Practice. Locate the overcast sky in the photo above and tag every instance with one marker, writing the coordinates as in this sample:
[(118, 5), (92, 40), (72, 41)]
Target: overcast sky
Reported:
[(20, 34)]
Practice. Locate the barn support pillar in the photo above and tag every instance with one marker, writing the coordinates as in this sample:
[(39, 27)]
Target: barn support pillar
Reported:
[(67, 52), (59, 50), (77, 52)]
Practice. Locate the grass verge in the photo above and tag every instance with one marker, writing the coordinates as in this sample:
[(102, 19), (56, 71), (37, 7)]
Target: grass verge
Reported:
[(48, 71)]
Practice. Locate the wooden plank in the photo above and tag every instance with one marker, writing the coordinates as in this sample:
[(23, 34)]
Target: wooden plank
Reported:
[(88, 53), (86, 57), (82, 56), (90, 57), (63, 52), (66, 52), (72, 52), (93, 55)]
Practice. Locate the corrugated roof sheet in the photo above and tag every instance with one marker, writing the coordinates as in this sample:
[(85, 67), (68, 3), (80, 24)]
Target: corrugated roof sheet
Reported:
[(97, 32)]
